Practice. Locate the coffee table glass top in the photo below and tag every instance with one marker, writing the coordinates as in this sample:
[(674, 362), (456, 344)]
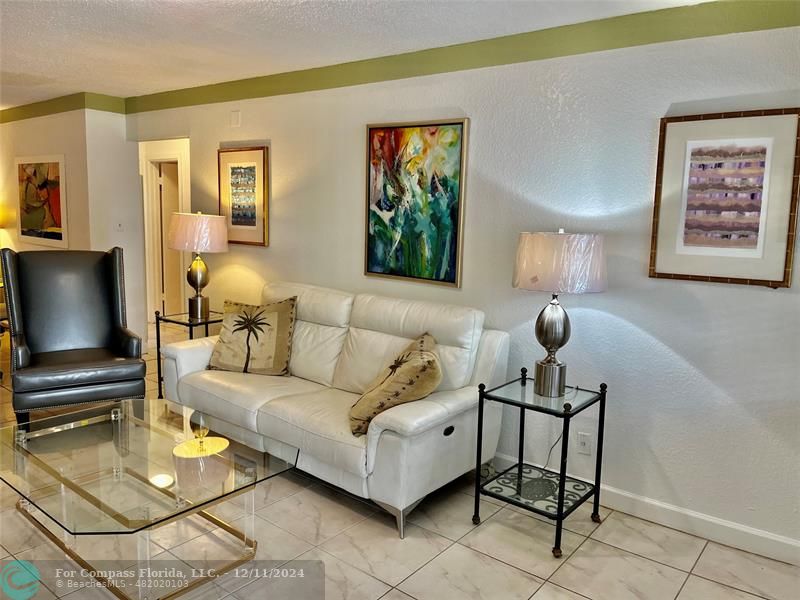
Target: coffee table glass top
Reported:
[(127, 466)]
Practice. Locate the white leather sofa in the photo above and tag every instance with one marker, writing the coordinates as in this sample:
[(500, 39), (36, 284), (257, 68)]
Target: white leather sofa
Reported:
[(341, 342)]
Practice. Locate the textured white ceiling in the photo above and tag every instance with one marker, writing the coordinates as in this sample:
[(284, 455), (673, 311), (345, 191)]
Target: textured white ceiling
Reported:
[(51, 48)]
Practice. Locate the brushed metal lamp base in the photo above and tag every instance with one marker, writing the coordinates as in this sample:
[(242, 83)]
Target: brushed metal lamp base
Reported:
[(199, 308), (552, 331), (197, 276)]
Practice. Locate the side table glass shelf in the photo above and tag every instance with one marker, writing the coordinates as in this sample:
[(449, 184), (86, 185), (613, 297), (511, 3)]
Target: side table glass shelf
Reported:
[(184, 320), (552, 494)]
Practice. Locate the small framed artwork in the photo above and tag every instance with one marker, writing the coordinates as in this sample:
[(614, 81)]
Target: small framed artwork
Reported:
[(726, 198), (42, 215), (244, 194), (416, 175)]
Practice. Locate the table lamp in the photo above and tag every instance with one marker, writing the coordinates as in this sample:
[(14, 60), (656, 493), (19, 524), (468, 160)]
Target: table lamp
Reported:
[(198, 233), (560, 263)]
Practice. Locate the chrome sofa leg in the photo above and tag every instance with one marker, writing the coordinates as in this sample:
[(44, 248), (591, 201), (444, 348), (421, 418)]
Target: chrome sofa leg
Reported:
[(399, 515)]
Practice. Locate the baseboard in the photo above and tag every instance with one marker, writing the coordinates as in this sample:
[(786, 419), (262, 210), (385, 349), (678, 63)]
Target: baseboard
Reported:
[(719, 530)]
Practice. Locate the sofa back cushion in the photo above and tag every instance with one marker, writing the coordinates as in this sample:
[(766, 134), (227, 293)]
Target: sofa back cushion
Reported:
[(381, 327), (322, 319)]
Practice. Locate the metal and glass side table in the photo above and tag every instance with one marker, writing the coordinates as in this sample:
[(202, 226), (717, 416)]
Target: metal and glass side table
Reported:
[(184, 320), (552, 494)]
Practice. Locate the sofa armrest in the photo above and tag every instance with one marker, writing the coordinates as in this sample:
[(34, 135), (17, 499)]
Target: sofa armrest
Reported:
[(190, 355), (491, 364), (414, 418)]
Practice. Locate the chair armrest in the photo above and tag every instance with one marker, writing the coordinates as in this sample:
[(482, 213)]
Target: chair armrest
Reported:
[(21, 354), (126, 343), (190, 355)]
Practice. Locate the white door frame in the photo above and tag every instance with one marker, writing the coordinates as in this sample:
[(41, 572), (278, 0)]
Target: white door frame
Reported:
[(150, 154)]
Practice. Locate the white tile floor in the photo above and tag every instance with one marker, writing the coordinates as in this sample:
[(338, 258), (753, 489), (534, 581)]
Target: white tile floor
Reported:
[(507, 556), (444, 556)]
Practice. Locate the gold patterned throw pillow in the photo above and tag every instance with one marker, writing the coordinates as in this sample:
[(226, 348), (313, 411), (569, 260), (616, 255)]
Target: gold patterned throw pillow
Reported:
[(413, 375), (255, 339)]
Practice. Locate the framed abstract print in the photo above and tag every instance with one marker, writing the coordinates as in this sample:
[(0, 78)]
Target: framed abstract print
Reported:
[(726, 198), (42, 215), (416, 173), (244, 193)]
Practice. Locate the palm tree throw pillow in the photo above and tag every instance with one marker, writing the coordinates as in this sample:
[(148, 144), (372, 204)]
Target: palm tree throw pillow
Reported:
[(413, 375), (255, 339)]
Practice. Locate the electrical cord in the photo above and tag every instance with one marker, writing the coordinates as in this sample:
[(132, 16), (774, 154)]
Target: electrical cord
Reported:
[(551, 450)]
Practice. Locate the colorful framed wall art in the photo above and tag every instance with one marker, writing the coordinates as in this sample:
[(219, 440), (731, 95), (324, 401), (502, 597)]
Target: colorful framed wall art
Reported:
[(244, 193), (416, 175), (726, 198), (42, 217)]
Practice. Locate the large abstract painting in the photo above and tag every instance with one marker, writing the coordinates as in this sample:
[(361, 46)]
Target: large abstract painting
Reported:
[(244, 193), (415, 200), (726, 198), (42, 201)]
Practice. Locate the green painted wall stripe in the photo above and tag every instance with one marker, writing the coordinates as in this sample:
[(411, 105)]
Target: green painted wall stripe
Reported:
[(78, 101), (106, 103), (46, 107), (667, 25)]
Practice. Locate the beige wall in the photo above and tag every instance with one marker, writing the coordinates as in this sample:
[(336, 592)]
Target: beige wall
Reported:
[(102, 188), (63, 133), (703, 414)]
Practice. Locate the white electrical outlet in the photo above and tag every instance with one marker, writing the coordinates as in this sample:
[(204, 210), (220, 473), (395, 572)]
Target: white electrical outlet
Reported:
[(584, 443)]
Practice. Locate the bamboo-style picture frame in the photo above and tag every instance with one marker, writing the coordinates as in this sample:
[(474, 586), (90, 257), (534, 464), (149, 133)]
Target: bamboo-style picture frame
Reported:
[(726, 197), (415, 190), (243, 179)]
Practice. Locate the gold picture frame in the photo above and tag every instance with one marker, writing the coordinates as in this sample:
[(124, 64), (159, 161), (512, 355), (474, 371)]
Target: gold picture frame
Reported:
[(443, 241), (726, 197), (243, 187)]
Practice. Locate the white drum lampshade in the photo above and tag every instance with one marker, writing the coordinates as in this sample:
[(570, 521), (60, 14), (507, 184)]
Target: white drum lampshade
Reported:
[(198, 233), (560, 263)]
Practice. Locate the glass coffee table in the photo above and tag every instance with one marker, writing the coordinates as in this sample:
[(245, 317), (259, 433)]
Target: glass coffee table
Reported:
[(128, 468)]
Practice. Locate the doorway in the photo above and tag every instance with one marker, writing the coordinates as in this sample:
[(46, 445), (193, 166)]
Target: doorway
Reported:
[(170, 278), (164, 167)]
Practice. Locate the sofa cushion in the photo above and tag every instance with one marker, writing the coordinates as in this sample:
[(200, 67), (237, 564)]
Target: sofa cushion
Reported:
[(318, 424), (413, 374), (236, 397), (381, 327), (323, 316), (255, 339)]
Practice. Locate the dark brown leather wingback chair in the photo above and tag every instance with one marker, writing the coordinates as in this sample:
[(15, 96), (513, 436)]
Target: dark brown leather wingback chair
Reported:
[(69, 338)]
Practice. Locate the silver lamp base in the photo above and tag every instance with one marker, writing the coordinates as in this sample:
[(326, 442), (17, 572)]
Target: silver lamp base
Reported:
[(552, 331), (199, 308), (549, 379)]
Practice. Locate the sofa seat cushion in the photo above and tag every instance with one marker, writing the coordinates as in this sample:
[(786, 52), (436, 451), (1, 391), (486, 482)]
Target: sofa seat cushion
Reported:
[(236, 397), (70, 368), (318, 424)]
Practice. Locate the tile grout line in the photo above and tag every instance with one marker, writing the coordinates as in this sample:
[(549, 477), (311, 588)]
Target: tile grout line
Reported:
[(689, 574), (453, 543), (733, 587)]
